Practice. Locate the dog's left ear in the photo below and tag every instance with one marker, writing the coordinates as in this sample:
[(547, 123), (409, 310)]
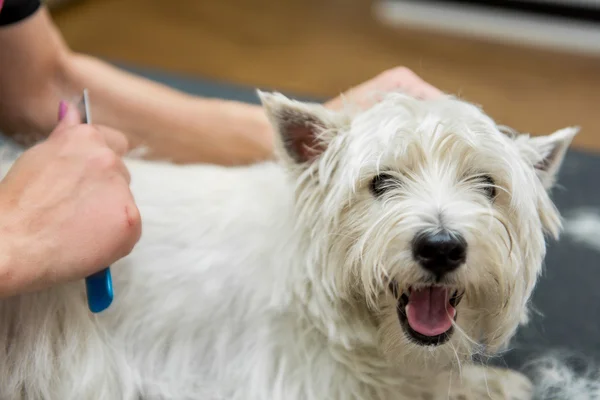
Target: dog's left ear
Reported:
[(547, 153), (303, 129)]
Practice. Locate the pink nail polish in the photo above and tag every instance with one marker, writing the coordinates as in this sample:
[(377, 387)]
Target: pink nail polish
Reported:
[(62, 110)]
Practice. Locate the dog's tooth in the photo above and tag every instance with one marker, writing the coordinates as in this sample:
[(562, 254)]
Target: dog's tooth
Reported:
[(394, 288)]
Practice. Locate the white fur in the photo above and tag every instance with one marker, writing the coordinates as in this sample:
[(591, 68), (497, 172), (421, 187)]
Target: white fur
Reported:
[(583, 226), (564, 376), (270, 281)]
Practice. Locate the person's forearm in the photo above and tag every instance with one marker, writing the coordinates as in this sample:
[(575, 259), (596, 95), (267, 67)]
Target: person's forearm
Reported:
[(172, 124), (31, 81), (39, 70)]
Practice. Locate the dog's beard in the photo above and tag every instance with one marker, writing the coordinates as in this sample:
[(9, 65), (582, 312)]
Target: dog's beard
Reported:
[(447, 334), (401, 348), (475, 317)]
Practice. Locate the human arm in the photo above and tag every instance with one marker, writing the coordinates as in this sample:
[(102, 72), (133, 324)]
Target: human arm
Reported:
[(38, 70), (190, 128)]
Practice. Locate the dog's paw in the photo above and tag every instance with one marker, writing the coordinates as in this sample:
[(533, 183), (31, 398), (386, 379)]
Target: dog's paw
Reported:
[(487, 383)]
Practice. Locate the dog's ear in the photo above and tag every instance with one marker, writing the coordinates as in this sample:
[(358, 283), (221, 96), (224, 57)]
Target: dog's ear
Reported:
[(546, 153), (303, 129)]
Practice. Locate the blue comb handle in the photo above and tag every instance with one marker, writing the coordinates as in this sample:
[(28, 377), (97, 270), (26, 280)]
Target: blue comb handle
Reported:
[(99, 290)]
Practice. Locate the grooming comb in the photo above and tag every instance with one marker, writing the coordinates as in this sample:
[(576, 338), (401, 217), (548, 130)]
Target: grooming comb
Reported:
[(99, 285)]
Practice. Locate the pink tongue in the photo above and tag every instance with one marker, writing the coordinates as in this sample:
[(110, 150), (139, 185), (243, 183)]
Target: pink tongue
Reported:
[(429, 312)]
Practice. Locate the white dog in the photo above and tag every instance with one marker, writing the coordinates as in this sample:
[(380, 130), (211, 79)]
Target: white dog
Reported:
[(381, 252)]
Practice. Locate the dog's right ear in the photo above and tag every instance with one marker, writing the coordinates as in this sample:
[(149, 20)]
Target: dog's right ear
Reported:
[(303, 130)]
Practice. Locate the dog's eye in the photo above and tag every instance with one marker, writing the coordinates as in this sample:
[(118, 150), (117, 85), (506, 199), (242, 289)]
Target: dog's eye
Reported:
[(488, 186), (383, 182)]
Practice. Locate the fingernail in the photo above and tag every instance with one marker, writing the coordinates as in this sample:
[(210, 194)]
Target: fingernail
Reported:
[(62, 109)]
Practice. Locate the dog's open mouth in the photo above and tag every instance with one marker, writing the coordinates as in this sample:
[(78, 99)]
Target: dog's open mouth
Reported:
[(426, 314)]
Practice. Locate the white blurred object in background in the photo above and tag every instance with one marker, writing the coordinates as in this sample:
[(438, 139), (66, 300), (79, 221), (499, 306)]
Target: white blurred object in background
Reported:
[(567, 25)]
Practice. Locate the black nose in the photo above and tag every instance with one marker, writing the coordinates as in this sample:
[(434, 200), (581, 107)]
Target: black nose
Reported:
[(440, 252)]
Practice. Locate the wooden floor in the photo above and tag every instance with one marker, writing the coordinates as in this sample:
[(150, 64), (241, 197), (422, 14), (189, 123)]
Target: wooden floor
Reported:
[(323, 47)]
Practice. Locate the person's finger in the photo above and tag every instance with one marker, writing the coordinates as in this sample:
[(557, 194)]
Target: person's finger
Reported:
[(124, 171), (134, 223), (428, 91), (129, 234), (114, 139), (109, 161), (67, 115)]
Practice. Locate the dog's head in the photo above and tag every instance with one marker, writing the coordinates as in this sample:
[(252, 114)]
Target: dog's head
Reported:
[(427, 213)]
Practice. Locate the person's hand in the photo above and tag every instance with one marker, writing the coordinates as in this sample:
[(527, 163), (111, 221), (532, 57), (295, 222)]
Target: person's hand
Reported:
[(66, 210), (396, 79)]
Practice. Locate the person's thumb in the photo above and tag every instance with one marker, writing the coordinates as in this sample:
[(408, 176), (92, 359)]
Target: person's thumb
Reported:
[(68, 115)]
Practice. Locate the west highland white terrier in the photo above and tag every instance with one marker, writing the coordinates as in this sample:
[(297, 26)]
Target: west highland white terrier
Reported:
[(380, 253)]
